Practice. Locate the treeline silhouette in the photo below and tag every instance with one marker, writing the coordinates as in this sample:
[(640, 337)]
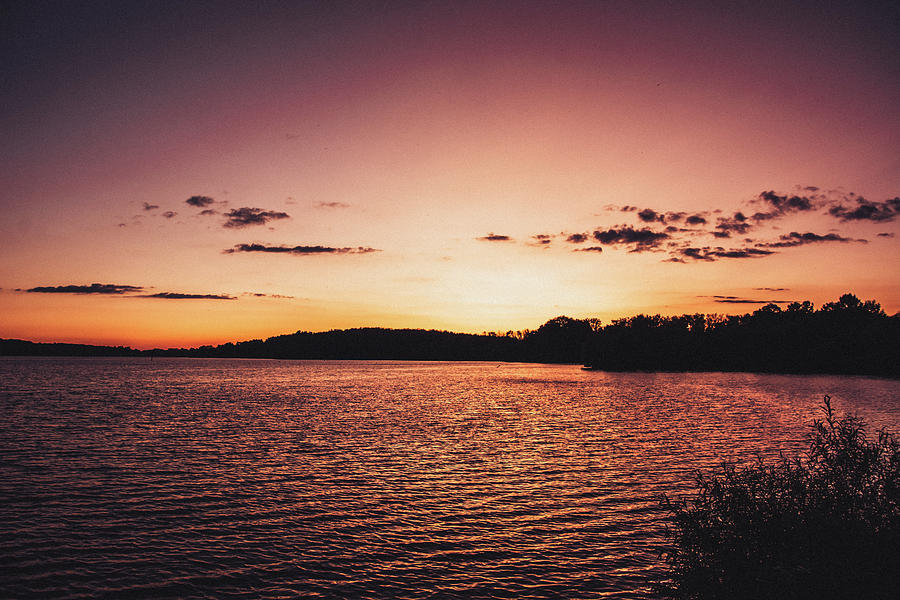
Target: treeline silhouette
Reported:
[(24, 348), (843, 337)]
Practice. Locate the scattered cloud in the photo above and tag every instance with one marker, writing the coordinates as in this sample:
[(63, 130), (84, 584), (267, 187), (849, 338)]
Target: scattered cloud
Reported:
[(299, 250), (680, 232), (246, 216), (695, 220), (782, 205), (261, 295), (725, 226), (589, 249), (169, 214), (179, 296), (494, 237), (200, 201), (639, 240), (739, 300), (208, 212), (799, 239), (577, 238), (94, 288), (770, 289), (648, 215), (148, 206), (865, 210), (711, 254), (332, 205), (541, 239)]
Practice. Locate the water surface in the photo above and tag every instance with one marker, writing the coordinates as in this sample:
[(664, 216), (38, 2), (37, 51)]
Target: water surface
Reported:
[(193, 478)]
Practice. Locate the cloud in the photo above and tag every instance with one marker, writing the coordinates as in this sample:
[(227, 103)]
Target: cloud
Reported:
[(680, 232), (739, 300), (648, 215), (783, 205), (770, 289), (589, 249), (200, 201), (246, 216), (261, 295), (725, 226), (640, 240), (332, 205), (711, 254), (799, 239), (178, 296), (208, 212), (493, 237), (865, 210), (299, 250), (541, 239), (169, 214), (94, 288), (786, 203), (577, 238), (148, 206), (695, 220)]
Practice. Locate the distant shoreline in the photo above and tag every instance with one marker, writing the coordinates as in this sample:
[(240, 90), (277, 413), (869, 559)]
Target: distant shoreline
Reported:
[(846, 337)]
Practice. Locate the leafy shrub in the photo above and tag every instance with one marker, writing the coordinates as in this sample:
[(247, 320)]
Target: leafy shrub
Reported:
[(826, 526)]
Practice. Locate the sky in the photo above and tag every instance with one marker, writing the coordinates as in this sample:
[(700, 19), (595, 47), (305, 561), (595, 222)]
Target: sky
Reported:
[(177, 174)]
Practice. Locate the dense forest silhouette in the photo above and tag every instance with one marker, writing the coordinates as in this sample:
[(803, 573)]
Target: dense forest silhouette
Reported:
[(847, 336)]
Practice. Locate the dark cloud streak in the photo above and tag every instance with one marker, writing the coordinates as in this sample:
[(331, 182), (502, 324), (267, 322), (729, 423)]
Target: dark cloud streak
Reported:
[(180, 296), (245, 216), (94, 288), (865, 210), (710, 254), (739, 300), (639, 240), (800, 239), (299, 250)]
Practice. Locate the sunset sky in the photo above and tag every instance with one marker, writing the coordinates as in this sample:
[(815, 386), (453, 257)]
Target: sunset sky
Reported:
[(185, 173)]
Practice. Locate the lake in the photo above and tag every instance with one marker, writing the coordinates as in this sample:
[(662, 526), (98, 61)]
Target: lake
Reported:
[(196, 478)]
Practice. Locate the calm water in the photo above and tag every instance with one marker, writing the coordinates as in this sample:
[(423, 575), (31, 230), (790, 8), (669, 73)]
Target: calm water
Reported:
[(126, 478)]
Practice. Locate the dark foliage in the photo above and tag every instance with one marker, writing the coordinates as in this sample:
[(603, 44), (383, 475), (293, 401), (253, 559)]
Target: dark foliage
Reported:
[(23, 348), (827, 526), (843, 337)]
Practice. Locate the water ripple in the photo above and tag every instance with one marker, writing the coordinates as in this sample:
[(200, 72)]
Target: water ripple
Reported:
[(128, 478)]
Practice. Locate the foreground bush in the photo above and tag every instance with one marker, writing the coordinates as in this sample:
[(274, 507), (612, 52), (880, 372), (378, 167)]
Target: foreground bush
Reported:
[(827, 526)]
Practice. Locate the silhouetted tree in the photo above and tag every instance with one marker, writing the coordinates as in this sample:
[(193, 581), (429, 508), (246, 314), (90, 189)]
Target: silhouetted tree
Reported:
[(826, 527)]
